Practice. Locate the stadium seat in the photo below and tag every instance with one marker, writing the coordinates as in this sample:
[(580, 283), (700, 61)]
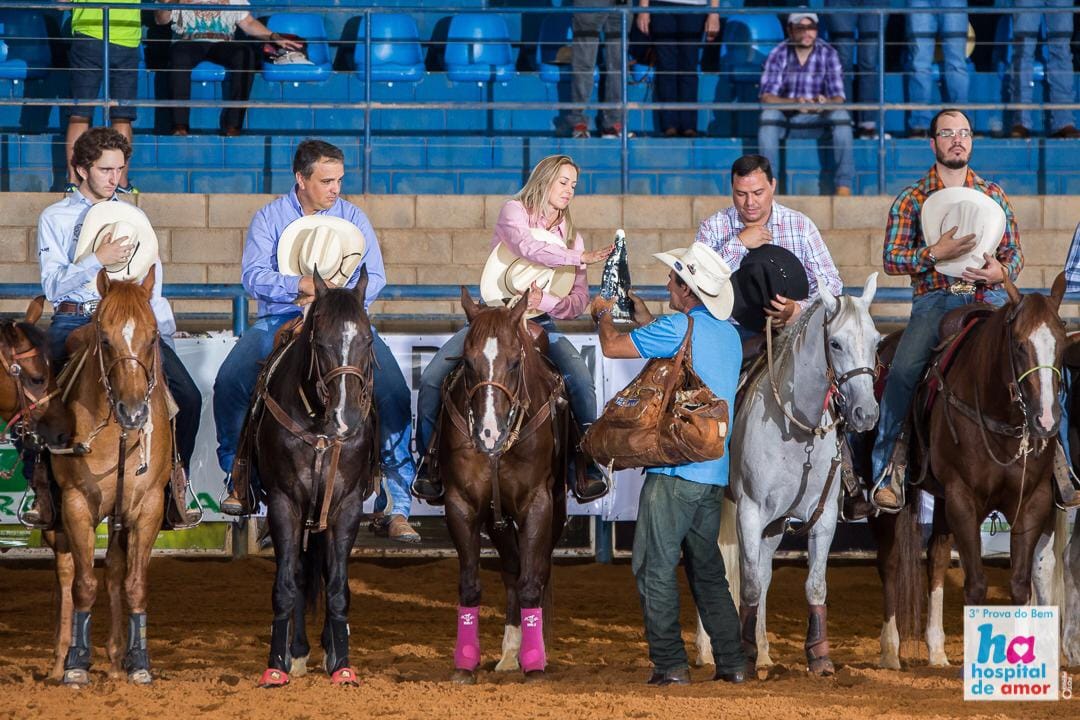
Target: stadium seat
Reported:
[(478, 49), (747, 41), (208, 72), (395, 49), (310, 28), (27, 40)]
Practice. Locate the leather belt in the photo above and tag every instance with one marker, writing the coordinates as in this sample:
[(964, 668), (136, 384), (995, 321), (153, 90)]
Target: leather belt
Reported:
[(207, 36), (74, 308), (962, 287)]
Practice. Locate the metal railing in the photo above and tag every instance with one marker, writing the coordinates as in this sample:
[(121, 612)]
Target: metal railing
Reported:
[(626, 14)]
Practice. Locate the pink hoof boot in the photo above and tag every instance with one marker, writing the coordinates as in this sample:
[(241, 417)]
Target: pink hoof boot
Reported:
[(272, 678), (532, 655), (344, 676), (467, 651)]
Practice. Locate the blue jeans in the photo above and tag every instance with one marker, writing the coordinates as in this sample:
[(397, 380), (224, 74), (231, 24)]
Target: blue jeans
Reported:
[(235, 384), (184, 390), (678, 515), (1059, 64), (916, 344), (842, 36), (579, 382), (922, 30), (775, 125)]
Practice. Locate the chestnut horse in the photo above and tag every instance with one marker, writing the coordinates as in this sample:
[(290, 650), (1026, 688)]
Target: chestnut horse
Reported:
[(990, 439), (121, 429), (502, 449), (314, 427)]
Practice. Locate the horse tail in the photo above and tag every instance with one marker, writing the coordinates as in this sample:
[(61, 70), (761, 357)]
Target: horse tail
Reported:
[(729, 546), (312, 561), (909, 578)]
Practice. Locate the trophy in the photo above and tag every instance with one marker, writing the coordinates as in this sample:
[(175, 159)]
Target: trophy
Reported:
[(615, 281)]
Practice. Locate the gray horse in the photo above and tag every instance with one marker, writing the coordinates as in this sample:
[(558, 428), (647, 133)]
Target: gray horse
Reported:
[(784, 458)]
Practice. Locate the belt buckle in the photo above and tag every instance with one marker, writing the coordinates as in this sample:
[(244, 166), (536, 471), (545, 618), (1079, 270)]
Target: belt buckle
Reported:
[(88, 308), (961, 287)]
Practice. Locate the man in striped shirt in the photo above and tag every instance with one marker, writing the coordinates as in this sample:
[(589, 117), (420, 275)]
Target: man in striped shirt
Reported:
[(756, 219)]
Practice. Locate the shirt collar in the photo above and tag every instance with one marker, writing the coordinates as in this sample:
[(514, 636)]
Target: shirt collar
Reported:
[(78, 198), (738, 223), (294, 200), (933, 179)]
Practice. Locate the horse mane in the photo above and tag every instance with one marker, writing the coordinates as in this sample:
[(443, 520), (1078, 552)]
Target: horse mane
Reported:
[(35, 335), (124, 300)]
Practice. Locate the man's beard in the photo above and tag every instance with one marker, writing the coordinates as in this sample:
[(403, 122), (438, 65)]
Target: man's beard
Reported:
[(952, 163)]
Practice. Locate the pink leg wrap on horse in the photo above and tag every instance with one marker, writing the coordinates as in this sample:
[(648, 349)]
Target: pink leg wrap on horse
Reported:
[(467, 651), (532, 655)]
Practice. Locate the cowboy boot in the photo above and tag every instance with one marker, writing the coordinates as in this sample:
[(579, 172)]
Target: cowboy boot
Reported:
[(855, 506), (1065, 481), (887, 489), (236, 482), (590, 482), (178, 516), (427, 485), (40, 515)]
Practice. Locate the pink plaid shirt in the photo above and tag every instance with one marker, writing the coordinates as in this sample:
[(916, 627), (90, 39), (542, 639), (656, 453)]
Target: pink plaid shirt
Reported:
[(790, 229)]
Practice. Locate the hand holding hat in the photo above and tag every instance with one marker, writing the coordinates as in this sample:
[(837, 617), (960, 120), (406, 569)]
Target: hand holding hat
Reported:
[(968, 222), (333, 245), (507, 276), (121, 237)]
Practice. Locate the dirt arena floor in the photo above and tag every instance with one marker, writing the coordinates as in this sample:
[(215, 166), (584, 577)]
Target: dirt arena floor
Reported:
[(209, 630)]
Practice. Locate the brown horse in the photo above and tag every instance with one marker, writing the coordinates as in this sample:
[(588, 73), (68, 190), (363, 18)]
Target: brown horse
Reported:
[(988, 444), (121, 423), (502, 449)]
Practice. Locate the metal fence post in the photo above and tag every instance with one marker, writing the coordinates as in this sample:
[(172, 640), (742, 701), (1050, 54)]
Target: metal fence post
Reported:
[(881, 101), (240, 313), (604, 533), (366, 188), (624, 180), (105, 89)]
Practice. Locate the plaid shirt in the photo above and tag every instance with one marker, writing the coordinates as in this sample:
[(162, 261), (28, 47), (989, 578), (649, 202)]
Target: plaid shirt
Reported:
[(1072, 264), (785, 77), (905, 250), (790, 229)]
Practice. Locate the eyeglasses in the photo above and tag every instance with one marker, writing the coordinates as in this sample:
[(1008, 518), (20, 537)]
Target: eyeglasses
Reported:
[(948, 133)]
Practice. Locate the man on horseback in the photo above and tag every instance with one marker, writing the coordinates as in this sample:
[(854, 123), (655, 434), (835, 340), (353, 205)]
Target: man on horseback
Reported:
[(938, 287), (679, 508), (281, 293), (536, 243), (73, 246), (756, 220)]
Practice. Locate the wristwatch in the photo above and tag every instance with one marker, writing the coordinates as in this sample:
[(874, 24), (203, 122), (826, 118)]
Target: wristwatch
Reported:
[(930, 258)]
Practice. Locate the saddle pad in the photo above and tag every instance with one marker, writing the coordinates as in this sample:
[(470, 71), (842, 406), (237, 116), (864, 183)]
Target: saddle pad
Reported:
[(944, 360)]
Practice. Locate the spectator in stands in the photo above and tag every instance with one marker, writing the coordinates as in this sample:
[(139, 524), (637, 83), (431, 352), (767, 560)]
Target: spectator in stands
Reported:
[(211, 35), (86, 58), (587, 28), (1059, 66), (677, 39), (805, 69), (319, 168), (922, 30), (856, 39), (754, 220)]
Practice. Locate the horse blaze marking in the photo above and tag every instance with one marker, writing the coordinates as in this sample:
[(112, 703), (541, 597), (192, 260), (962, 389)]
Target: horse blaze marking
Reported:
[(348, 333), (129, 333), (490, 424), (1043, 340)]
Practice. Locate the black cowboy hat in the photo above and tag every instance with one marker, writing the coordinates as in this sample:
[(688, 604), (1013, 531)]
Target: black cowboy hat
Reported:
[(765, 272)]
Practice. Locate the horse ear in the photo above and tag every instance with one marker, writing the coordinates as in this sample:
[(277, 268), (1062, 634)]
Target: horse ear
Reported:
[(468, 304), (517, 313), (148, 281), (1057, 291), (361, 285), (320, 284), (869, 290), (33, 310), (828, 301), (103, 282), (1010, 289)]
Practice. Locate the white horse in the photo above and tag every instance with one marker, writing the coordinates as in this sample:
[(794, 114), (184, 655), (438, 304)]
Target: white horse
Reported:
[(785, 459)]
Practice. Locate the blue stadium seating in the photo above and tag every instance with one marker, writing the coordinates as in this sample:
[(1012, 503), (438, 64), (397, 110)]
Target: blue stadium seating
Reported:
[(208, 72), (747, 41), (26, 36), (395, 49), (556, 33), (478, 49), (310, 27)]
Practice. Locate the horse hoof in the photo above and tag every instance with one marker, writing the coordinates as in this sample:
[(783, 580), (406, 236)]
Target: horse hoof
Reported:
[(298, 667), (508, 664), (272, 678), (822, 667), (344, 676), (889, 663), (534, 676), (76, 678), (140, 677), (464, 677)]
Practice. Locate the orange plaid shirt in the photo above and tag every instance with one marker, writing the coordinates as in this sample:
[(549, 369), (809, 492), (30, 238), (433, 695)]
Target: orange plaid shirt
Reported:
[(905, 249)]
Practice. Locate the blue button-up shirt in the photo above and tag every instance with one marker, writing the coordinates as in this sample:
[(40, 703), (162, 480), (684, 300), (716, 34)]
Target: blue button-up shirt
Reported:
[(260, 274), (65, 280)]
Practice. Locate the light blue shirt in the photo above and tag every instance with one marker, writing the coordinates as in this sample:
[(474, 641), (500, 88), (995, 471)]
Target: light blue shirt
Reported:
[(65, 280), (717, 354), (259, 272)]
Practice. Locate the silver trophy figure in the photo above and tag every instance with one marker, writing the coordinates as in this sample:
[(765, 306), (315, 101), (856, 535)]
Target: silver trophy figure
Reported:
[(615, 281)]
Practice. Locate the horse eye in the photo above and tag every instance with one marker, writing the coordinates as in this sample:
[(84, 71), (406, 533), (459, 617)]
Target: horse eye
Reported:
[(834, 345)]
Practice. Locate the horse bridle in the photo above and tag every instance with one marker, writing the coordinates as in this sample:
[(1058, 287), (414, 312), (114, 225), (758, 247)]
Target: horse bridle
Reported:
[(28, 402), (106, 371), (514, 419), (322, 379), (838, 382), (1015, 393)]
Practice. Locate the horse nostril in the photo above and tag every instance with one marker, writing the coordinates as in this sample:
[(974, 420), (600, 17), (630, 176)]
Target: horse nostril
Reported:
[(487, 433)]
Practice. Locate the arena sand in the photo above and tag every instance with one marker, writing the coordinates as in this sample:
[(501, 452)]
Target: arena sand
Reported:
[(209, 629)]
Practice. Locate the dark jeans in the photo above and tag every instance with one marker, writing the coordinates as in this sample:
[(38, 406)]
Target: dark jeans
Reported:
[(239, 57), (183, 388), (673, 515), (677, 39)]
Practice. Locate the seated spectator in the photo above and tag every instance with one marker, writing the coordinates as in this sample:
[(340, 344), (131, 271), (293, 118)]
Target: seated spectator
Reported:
[(677, 38), (805, 69), (211, 35), (922, 30), (1059, 66)]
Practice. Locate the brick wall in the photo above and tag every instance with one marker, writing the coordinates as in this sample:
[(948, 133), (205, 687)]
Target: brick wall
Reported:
[(431, 239)]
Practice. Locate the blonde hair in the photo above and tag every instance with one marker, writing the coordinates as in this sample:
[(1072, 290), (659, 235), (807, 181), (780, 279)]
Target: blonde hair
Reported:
[(534, 196)]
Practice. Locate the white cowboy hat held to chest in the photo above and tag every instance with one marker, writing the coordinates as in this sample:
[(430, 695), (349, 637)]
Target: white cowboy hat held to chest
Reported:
[(971, 213), (507, 275), (706, 274), (126, 223), (333, 245)]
